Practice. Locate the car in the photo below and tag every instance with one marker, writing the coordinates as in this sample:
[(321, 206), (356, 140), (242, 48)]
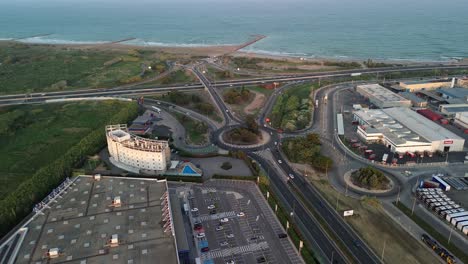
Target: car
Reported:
[(230, 262), (276, 143), (279, 161), (224, 220), (197, 227), (282, 235), (223, 244), (211, 207), (200, 235), (193, 210), (240, 214), (205, 249), (230, 236), (357, 243), (227, 110), (219, 228), (261, 259), (212, 212), (291, 176)]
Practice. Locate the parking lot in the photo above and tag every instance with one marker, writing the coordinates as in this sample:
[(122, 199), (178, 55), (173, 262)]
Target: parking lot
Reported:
[(232, 223)]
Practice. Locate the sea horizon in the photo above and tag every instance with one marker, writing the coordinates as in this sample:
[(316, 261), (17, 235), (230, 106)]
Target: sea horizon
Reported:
[(311, 29)]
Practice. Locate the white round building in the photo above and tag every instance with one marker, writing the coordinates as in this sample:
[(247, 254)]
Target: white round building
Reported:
[(136, 154)]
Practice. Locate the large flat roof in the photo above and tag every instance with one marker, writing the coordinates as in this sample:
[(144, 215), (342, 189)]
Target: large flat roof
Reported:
[(82, 221), (412, 97), (403, 125), (381, 93), (420, 125), (454, 92)]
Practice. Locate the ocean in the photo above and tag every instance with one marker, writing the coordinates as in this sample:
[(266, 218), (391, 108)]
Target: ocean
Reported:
[(418, 30)]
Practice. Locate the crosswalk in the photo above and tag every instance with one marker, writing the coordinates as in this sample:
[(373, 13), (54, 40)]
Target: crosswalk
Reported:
[(235, 250), (202, 218)]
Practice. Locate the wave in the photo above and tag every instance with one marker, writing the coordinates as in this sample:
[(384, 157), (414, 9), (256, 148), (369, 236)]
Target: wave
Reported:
[(141, 42), (278, 53), (42, 40)]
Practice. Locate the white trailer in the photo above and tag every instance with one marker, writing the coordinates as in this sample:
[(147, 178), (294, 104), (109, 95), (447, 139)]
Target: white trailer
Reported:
[(450, 216), (457, 220), (156, 109), (461, 225), (465, 230)]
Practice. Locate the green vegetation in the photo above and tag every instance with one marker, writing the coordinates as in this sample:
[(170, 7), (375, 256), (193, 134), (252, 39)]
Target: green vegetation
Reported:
[(370, 178), (343, 64), (191, 101), (460, 253), (292, 109), (237, 95), (38, 68), (179, 76), (306, 150), (244, 135), (226, 165), (372, 64), (374, 225), (196, 131), (38, 147), (32, 136)]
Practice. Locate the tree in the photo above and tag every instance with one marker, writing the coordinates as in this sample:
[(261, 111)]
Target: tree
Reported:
[(251, 124), (292, 103)]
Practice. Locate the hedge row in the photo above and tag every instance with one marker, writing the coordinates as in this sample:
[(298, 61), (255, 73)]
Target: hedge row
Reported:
[(19, 203)]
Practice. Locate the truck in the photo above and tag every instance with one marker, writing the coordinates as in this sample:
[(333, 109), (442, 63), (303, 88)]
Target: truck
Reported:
[(384, 158), (443, 184), (461, 225), (457, 220), (156, 109), (450, 216), (442, 252)]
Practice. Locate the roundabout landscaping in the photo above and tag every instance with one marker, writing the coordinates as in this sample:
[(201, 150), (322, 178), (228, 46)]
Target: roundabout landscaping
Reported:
[(369, 180)]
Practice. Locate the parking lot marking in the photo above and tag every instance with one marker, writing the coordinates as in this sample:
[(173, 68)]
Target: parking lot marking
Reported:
[(236, 250)]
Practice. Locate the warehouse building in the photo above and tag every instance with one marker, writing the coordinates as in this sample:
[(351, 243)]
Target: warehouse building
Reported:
[(452, 109), (416, 101), (454, 94), (136, 154), (403, 130), (98, 220), (381, 96), (414, 86), (461, 120)]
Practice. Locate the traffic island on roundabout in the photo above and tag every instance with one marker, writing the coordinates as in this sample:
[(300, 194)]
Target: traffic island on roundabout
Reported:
[(368, 180), (231, 139)]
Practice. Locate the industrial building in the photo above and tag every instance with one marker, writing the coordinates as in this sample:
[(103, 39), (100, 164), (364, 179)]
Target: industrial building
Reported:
[(461, 120), (454, 95), (416, 101), (136, 154), (451, 110), (94, 219), (381, 96), (414, 86), (403, 130)]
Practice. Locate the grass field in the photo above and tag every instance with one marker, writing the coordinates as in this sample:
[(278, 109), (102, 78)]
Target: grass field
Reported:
[(375, 227), (37, 68), (33, 136), (179, 76)]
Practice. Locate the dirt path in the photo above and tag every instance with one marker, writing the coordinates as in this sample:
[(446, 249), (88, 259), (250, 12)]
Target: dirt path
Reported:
[(256, 103)]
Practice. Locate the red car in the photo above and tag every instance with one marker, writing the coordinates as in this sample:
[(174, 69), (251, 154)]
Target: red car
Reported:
[(205, 249)]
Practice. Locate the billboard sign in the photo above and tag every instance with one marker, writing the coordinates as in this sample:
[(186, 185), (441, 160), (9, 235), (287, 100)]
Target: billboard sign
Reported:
[(448, 142), (348, 213)]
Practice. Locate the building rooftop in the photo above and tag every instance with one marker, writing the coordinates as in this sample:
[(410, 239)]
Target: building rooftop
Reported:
[(82, 221), (426, 81), (381, 93), (412, 97), (454, 92), (454, 108), (402, 125), (120, 133)]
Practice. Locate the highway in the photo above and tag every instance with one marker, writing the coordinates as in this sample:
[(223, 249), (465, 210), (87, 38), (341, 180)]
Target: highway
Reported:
[(120, 91)]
